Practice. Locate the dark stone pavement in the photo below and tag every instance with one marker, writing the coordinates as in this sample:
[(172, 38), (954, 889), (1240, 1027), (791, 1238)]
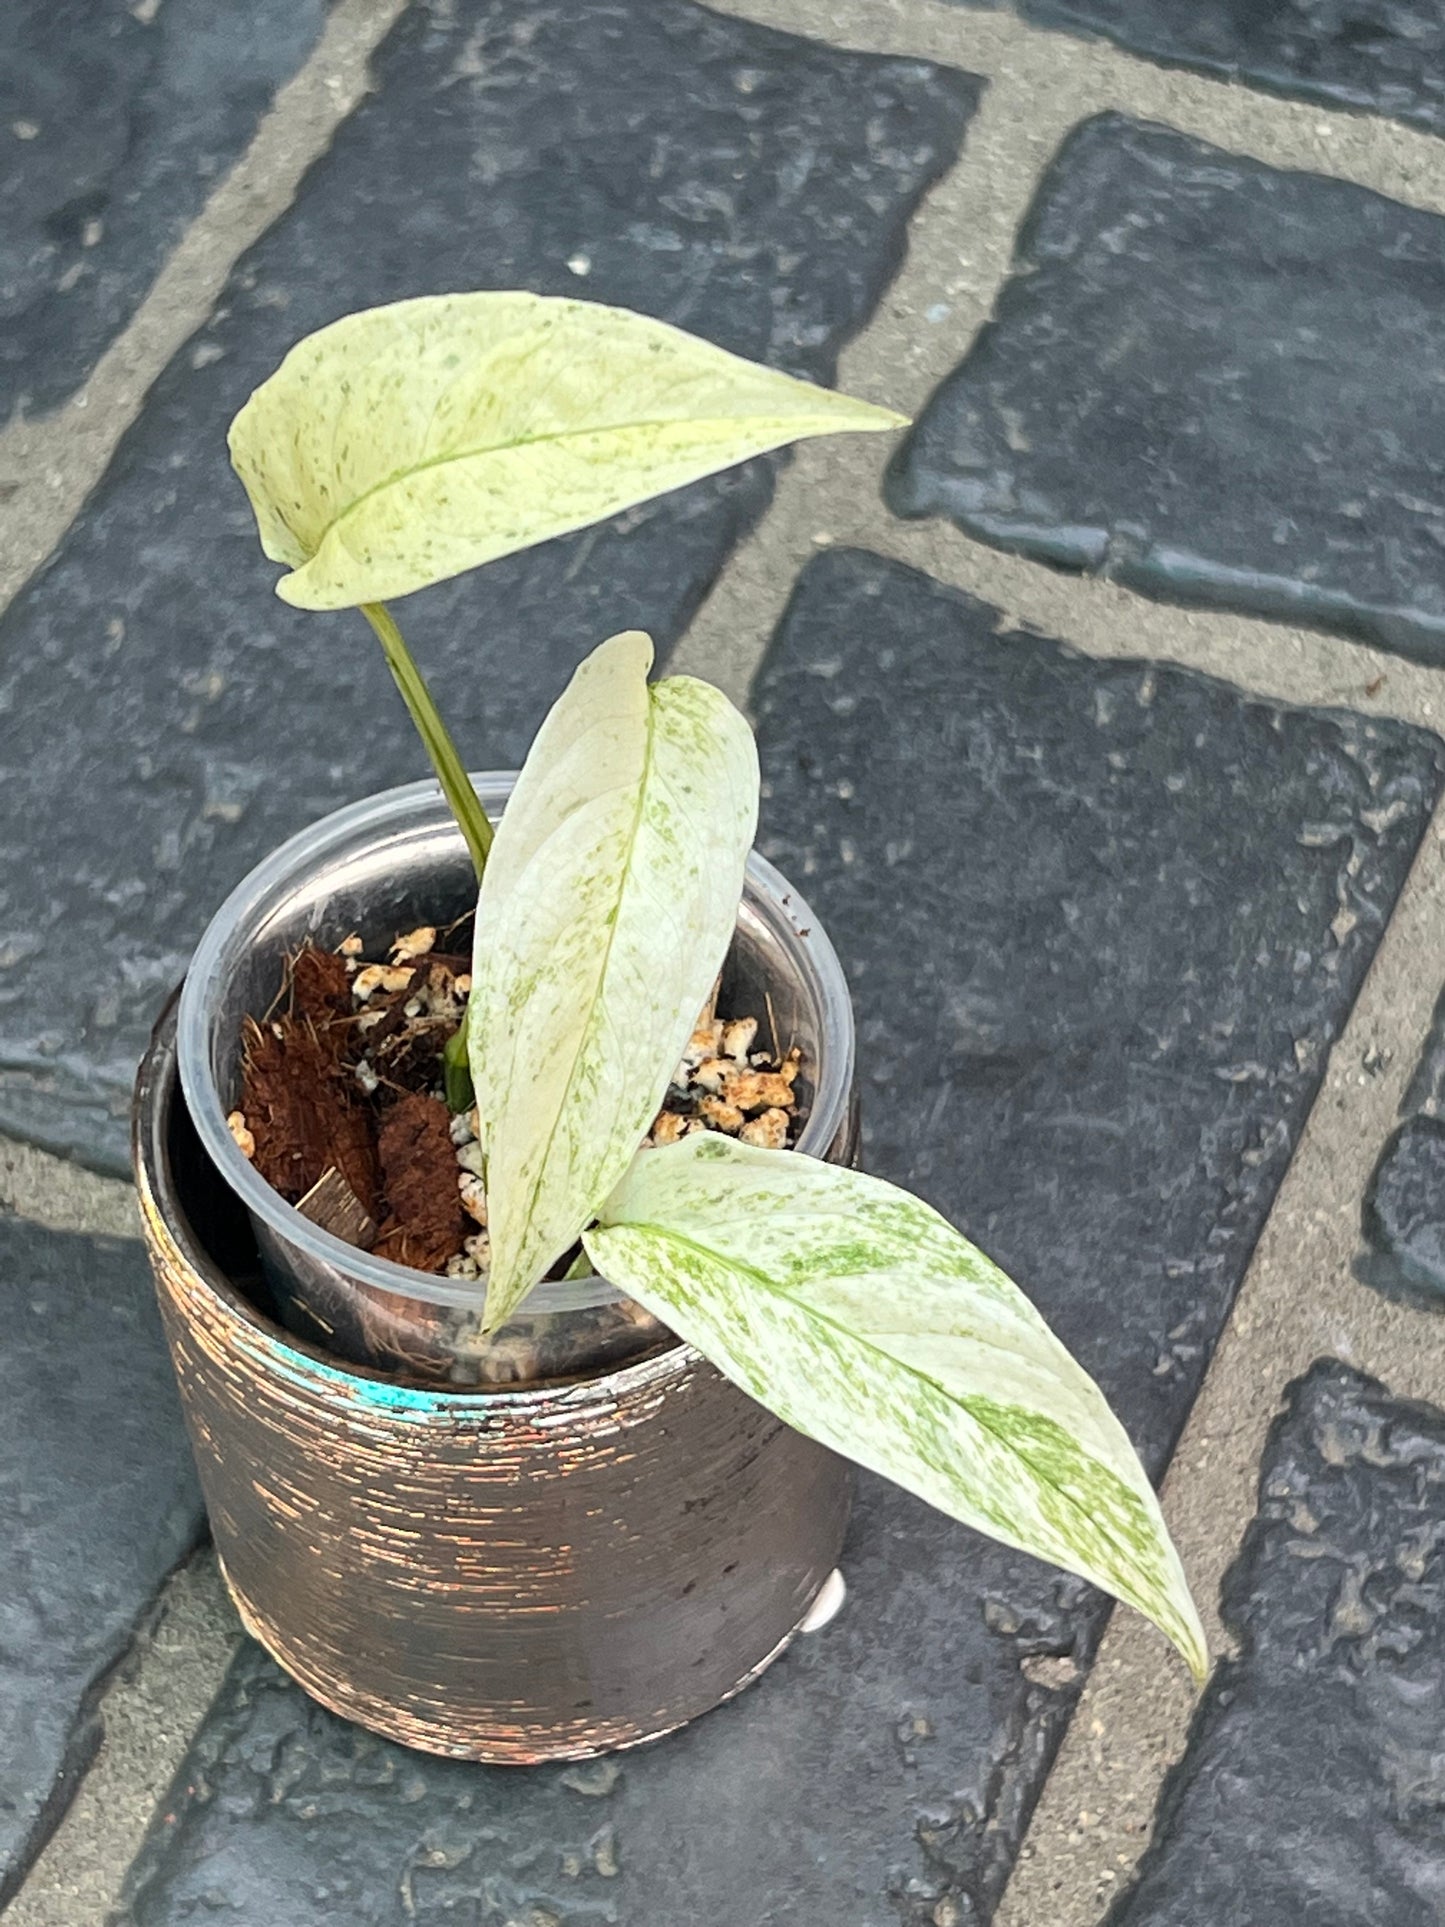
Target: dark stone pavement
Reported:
[(1104, 918), (1313, 1788), (1211, 381), (98, 1502), (1111, 1017), (1386, 56), (116, 122)]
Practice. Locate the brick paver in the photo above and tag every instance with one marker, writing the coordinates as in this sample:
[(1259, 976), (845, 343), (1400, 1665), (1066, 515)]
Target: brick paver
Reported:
[(1211, 381), (1312, 1788), (1102, 921), (1403, 1219), (1385, 55), (98, 1501), (115, 123)]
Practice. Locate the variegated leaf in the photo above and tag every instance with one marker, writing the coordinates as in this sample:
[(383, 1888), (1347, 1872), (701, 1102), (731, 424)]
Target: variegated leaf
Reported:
[(861, 1317), (408, 443), (606, 909)]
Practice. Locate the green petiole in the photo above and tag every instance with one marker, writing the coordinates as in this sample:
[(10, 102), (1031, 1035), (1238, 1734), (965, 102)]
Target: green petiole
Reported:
[(466, 805), (457, 1071)]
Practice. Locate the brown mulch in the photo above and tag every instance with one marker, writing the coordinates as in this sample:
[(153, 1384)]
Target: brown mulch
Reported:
[(426, 1223), (307, 1110), (320, 987)]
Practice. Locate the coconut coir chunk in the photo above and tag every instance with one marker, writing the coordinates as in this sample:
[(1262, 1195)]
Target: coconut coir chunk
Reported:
[(342, 1076), (320, 988), (306, 1113), (427, 1224)]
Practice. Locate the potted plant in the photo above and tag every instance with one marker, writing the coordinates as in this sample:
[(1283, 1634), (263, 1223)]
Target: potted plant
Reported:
[(567, 1486)]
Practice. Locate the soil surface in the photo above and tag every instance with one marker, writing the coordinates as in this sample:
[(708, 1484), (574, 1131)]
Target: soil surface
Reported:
[(343, 1106)]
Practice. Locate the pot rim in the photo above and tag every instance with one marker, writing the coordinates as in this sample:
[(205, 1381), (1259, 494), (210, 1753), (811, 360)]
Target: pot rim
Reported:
[(265, 886), (316, 1372)]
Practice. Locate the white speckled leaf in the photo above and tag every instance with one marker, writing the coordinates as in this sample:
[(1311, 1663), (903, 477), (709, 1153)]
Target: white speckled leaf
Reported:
[(408, 443), (607, 906), (861, 1317)]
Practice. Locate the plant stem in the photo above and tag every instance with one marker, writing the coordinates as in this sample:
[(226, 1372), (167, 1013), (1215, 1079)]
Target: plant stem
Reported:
[(457, 1072), (466, 805)]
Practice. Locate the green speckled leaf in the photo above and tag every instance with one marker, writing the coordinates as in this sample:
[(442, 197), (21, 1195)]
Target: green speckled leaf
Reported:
[(861, 1317), (606, 909), (408, 443)]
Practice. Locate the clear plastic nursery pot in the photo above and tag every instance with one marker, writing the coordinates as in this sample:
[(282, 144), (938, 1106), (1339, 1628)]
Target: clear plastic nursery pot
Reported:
[(499, 1571), (383, 866)]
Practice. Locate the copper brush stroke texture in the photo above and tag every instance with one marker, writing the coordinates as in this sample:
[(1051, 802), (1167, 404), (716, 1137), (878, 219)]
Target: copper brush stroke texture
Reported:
[(510, 1576)]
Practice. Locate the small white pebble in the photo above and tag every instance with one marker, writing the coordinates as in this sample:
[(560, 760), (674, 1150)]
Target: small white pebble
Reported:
[(416, 943), (463, 1128), (709, 1074), (474, 1197), (369, 1019), (769, 1132), (378, 977), (437, 998), (704, 1042), (469, 1157), (478, 1246), (463, 985), (366, 1077), (737, 1037), (350, 946), (721, 1116), (670, 1126), (413, 1007), (245, 1143), (758, 1091), (462, 1266)]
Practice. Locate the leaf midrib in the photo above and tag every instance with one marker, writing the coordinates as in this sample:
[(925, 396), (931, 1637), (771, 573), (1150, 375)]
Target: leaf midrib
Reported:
[(700, 422), (777, 1291), (585, 1031)]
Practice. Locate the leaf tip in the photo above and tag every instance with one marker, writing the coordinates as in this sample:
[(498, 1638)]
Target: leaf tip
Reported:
[(1184, 1630), (236, 432), (633, 647), (1197, 1657), (495, 1310), (872, 418), (300, 590)]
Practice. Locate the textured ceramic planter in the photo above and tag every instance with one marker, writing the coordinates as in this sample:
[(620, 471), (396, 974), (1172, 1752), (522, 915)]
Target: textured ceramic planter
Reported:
[(518, 1574)]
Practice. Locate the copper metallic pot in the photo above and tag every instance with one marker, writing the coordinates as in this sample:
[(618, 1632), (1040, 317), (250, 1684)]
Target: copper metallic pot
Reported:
[(507, 1574)]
